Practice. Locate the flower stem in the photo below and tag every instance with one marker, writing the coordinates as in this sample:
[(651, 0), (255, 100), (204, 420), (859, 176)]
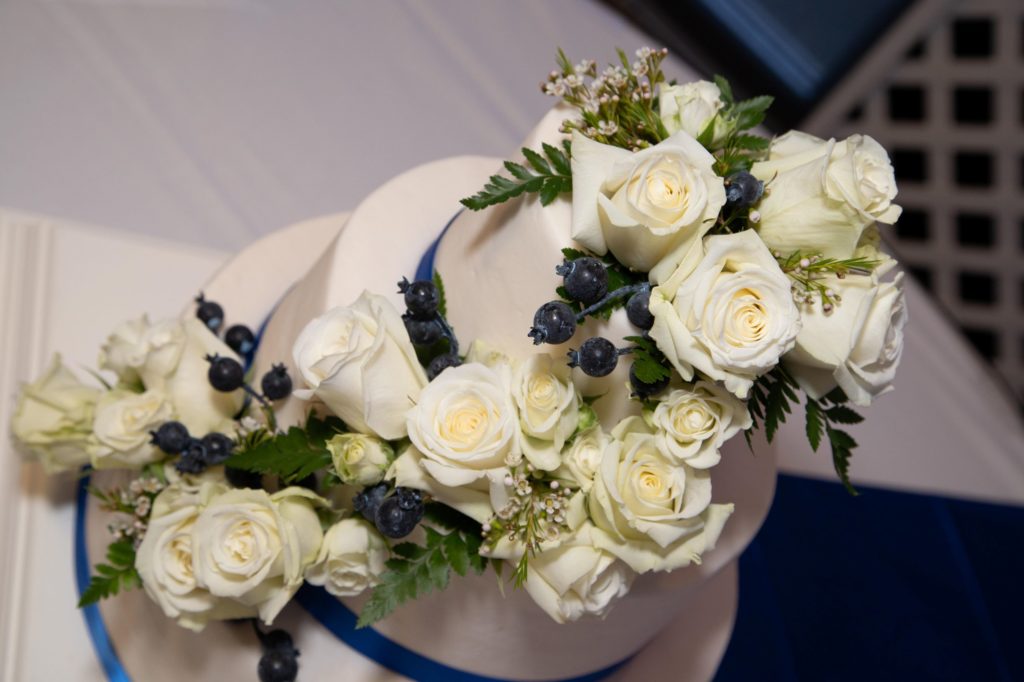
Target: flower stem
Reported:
[(621, 292)]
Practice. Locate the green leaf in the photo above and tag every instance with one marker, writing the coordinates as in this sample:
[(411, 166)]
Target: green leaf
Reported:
[(537, 161), (114, 576), (725, 88), (442, 305), (549, 177), (843, 415), (754, 143), (842, 446), (649, 363), (558, 159), (814, 423), (455, 553), (549, 191), (292, 455)]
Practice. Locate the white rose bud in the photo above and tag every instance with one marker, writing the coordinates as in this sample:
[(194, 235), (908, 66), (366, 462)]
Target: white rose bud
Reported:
[(548, 408), (582, 458), (351, 559), (360, 459), (821, 195), (857, 346), (358, 360), (254, 547), (121, 428), (689, 107), (655, 513), (165, 561), (731, 317), (693, 423), (53, 418), (649, 208)]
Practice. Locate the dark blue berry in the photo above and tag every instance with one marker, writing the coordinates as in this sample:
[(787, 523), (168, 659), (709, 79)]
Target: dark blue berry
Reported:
[(225, 374), (441, 363), (309, 483), (597, 357), (421, 297), (240, 339), (395, 522), (218, 448), (638, 309), (555, 323), (193, 457), (276, 383), (210, 313), (368, 501), (423, 332), (643, 390), (742, 189), (409, 498), (171, 437), (242, 478), (585, 279), (277, 640), (278, 666)]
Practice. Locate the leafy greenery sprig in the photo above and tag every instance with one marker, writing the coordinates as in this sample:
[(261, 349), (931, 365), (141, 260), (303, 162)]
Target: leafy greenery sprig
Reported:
[(291, 455), (770, 401), (736, 150), (807, 269), (649, 363), (117, 574), (548, 176), (415, 570)]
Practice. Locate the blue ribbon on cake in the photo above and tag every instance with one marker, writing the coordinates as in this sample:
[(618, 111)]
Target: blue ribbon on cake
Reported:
[(888, 585)]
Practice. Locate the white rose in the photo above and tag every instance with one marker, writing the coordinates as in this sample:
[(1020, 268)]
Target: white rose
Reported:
[(360, 459), (165, 562), (474, 499), (572, 578), (583, 457), (693, 423), (821, 195), (857, 346), (199, 406), (121, 428), (138, 351), (358, 360), (548, 408), (254, 547), (351, 559), (649, 208), (731, 317), (53, 418), (655, 513), (465, 424), (689, 107)]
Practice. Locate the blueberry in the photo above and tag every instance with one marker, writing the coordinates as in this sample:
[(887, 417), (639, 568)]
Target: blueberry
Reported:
[(643, 390), (409, 498), (240, 339), (555, 323), (276, 383), (193, 457), (597, 357), (242, 478), (421, 297), (278, 666), (395, 522), (742, 189), (441, 363), (422, 332), (638, 309), (210, 313), (585, 279), (218, 448), (171, 437), (225, 374), (368, 501), (277, 640)]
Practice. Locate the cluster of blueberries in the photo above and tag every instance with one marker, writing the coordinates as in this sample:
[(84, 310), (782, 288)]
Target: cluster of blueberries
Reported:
[(426, 325), (585, 279), (394, 513)]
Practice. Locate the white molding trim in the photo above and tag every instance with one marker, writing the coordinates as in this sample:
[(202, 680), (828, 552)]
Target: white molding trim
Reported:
[(25, 264)]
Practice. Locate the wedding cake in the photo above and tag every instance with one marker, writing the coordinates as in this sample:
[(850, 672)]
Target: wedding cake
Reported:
[(582, 340)]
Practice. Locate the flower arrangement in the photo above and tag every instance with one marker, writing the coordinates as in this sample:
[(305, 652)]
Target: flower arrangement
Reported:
[(748, 266)]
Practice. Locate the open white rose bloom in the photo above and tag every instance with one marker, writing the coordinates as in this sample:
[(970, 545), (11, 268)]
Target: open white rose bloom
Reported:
[(557, 396)]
